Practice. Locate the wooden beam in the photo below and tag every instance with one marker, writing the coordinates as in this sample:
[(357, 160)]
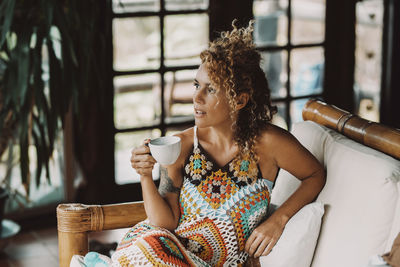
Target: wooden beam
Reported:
[(340, 53)]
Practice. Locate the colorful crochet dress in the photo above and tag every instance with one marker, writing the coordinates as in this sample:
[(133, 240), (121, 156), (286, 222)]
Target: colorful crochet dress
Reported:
[(220, 207)]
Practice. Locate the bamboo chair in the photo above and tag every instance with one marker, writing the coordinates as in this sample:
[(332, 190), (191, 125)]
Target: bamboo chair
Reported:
[(75, 221)]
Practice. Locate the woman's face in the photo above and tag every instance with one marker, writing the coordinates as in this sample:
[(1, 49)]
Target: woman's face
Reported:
[(211, 107)]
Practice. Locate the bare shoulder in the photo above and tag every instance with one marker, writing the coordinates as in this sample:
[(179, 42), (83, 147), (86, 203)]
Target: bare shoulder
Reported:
[(275, 141), (274, 136), (186, 137), (286, 151)]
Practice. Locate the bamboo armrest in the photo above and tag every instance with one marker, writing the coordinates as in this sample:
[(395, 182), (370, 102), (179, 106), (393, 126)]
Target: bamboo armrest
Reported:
[(375, 135), (75, 221)]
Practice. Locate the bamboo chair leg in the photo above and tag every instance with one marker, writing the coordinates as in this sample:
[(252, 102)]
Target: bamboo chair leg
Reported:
[(70, 244), (75, 221)]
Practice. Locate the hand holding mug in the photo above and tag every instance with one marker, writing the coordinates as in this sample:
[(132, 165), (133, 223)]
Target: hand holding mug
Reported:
[(141, 159), (164, 150)]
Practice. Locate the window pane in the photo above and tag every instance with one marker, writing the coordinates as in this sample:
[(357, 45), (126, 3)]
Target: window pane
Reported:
[(308, 21), (136, 43), (296, 108), (121, 6), (124, 143), (136, 100), (185, 37), (179, 93), (307, 70), (270, 26), (186, 4), (274, 64), (369, 28), (279, 118)]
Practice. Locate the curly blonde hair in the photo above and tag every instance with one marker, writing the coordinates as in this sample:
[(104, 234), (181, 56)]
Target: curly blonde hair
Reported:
[(233, 63)]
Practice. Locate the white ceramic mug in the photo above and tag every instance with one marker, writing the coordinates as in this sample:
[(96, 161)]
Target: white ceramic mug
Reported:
[(165, 149)]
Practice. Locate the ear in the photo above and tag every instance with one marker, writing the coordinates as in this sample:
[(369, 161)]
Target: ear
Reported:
[(242, 100)]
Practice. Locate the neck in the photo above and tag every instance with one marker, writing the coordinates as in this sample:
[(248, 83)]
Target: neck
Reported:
[(220, 136)]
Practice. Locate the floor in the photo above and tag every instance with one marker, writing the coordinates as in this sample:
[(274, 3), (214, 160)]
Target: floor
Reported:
[(40, 247)]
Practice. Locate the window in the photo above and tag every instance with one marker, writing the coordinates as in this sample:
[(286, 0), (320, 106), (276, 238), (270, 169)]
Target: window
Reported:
[(156, 53), (291, 34)]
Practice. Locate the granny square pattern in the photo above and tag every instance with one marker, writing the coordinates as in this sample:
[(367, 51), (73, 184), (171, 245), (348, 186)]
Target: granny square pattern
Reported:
[(147, 245), (219, 206)]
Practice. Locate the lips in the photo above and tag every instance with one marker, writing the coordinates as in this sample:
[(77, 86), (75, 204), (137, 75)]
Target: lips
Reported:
[(199, 112)]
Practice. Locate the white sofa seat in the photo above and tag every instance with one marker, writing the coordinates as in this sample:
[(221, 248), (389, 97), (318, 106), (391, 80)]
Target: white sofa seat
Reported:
[(361, 197)]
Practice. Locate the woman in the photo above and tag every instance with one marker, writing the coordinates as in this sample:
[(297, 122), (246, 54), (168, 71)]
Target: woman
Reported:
[(211, 205)]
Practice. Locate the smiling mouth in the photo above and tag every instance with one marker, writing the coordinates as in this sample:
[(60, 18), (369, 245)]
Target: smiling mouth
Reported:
[(199, 112)]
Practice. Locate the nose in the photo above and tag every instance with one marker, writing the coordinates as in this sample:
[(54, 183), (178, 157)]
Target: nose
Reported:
[(198, 96)]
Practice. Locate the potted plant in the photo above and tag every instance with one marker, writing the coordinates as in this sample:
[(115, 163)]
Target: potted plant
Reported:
[(51, 62), (32, 106)]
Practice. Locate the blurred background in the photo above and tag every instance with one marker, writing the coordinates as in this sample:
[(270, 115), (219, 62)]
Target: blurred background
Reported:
[(136, 61)]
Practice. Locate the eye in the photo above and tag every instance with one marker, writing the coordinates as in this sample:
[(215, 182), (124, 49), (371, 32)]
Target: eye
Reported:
[(211, 90), (196, 85)]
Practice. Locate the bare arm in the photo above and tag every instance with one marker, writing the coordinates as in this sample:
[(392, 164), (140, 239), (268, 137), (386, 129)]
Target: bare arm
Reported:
[(162, 204), (287, 153), (293, 157), (158, 204)]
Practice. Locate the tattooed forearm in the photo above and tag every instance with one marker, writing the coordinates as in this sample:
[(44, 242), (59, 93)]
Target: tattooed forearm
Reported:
[(166, 185)]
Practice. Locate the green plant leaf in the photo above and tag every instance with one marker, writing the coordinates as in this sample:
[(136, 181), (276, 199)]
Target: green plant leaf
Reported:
[(11, 81), (56, 86), (24, 156), (48, 7), (39, 152), (10, 159), (62, 24), (41, 105), (6, 17), (23, 59)]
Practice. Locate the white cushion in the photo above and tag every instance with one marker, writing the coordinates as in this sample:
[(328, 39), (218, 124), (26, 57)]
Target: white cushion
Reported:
[(361, 196), (295, 248), (396, 223), (77, 261)]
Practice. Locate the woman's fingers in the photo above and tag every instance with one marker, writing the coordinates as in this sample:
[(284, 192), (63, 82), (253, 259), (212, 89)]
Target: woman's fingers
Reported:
[(141, 150), (269, 247), (146, 141), (249, 242), (261, 248), (142, 164), (143, 157), (254, 245)]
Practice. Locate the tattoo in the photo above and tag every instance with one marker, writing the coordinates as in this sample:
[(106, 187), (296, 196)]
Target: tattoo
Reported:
[(166, 185)]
